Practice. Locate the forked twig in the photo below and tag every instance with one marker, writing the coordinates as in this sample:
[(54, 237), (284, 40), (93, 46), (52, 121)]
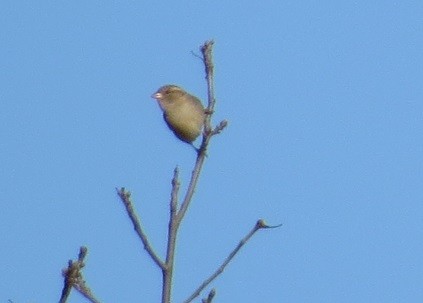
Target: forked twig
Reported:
[(73, 278)]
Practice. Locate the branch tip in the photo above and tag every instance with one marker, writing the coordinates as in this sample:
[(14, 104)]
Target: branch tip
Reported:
[(206, 47), (175, 179), (83, 250), (211, 295), (219, 128), (262, 224), (123, 193)]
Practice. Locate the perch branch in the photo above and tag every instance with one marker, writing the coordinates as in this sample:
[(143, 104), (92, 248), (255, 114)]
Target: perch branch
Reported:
[(177, 217), (207, 58)]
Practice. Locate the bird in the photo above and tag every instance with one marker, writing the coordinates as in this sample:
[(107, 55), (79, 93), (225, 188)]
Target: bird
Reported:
[(183, 113)]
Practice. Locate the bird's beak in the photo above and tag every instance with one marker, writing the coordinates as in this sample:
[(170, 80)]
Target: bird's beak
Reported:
[(157, 96)]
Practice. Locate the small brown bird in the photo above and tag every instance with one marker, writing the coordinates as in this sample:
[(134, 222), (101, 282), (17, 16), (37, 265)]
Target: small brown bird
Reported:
[(183, 113)]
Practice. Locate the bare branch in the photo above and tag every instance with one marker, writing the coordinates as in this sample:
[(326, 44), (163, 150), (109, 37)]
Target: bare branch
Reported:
[(86, 292), (175, 192), (207, 52), (192, 185), (73, 278), (176, 220), (259, 225), (167, 272), (125, 196)]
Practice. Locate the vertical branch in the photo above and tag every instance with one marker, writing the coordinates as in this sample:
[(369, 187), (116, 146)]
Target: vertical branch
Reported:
[(206, 51), (167, 270), (177, 217), (207, 57)]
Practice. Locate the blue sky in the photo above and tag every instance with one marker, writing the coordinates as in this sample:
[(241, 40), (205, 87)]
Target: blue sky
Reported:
[(325, 107)]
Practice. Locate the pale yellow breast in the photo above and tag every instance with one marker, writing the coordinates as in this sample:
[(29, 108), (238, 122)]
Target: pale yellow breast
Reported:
[(185, 120)]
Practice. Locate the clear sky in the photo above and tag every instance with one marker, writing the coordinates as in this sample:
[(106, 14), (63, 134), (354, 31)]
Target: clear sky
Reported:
[(325, 107)]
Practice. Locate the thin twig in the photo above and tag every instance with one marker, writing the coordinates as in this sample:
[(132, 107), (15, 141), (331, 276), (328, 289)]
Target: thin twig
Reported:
[(86, 292), (73, 278), (191, 187), (207, 51), (196, 55), (125, 196), (259, 225)]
